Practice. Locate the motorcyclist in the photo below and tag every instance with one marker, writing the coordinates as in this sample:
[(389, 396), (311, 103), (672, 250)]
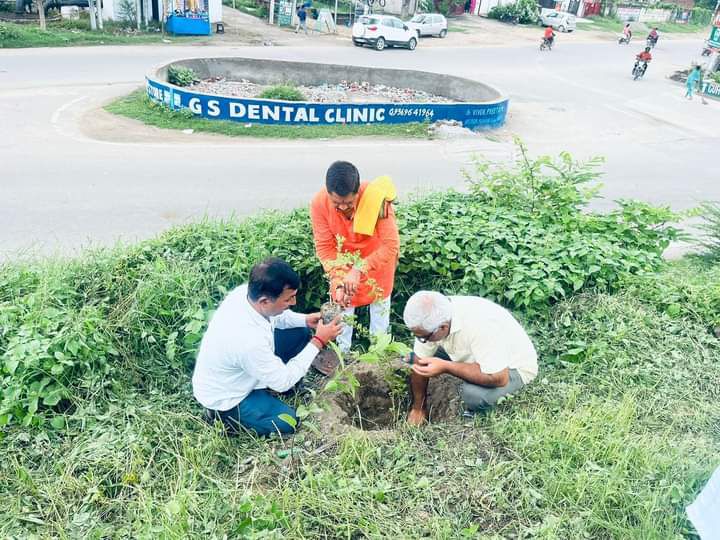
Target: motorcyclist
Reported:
[(549, 36), (627, 32), (653, 36), (645, 57)]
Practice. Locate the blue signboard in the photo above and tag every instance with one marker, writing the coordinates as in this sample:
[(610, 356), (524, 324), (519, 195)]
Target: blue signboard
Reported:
[(268, 111), (711, 88)]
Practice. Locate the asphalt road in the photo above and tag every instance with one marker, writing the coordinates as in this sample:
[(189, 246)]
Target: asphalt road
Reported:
[(61, 189)]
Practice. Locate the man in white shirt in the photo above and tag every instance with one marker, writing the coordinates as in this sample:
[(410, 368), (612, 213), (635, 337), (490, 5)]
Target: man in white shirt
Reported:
[(471, 338), (254, 343)]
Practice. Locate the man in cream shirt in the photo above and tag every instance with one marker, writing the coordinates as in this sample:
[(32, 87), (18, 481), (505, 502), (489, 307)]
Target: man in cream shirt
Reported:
[(471, 338)]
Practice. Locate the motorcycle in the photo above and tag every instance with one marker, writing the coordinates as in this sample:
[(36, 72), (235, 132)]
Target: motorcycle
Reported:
[(546, 44), (651, 42), (639, 69), (707, 50), (624, 40)]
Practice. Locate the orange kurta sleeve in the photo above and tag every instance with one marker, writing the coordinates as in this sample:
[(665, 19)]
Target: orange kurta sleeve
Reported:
[(324, 237), (386, 255)]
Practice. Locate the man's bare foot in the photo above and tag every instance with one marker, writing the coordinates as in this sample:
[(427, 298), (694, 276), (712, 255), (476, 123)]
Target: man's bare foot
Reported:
[(417, 417)]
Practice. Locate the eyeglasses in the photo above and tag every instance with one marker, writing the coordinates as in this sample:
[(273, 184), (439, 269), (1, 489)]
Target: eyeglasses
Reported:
[(425, 339)]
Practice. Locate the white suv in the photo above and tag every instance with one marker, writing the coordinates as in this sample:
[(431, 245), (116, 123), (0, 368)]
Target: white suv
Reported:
[(429, 24), (382, 31)]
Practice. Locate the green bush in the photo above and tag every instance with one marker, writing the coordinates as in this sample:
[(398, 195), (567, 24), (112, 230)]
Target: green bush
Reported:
[(523, 237), (181, 76), (8, 32), (283, 92), (711, 228), (701, 16), (526, 12)]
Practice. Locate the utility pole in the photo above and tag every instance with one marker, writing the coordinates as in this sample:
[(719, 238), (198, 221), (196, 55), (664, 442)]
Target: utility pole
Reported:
[(271, 16)]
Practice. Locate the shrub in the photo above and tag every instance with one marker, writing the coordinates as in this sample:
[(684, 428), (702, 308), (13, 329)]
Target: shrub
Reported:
[(711, 228), (181, 76), (523, 237), (701, 16), (526, 12), (283, 92), (127, 13), (8, 32)]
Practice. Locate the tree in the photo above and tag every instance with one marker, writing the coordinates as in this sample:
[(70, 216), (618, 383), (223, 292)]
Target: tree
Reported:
[(40, 4)]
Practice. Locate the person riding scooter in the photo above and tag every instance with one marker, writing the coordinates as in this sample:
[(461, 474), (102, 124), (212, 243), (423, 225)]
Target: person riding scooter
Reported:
[(549, 37), (652, 38), (645, 57)]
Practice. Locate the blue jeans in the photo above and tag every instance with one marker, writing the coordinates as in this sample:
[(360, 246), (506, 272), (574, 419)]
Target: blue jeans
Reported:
[(260, 411)]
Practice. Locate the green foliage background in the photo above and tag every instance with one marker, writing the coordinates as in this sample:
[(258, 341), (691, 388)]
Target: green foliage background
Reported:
[(522, 237)]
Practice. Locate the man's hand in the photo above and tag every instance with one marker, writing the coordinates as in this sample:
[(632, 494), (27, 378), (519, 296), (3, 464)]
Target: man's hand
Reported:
[(351, 281), (340, 297), (312, 320), (328, 332), (429, 367)]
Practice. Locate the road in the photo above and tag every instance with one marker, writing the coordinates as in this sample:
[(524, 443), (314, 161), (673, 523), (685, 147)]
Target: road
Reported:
[(62, 189)]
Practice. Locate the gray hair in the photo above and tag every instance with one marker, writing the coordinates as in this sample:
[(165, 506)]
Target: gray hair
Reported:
[(427, 310)]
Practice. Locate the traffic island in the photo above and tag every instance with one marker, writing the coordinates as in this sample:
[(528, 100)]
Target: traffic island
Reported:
[(432, 97)]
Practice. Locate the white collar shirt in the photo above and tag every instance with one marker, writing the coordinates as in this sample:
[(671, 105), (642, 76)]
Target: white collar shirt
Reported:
[(237, 354), (486, 333)]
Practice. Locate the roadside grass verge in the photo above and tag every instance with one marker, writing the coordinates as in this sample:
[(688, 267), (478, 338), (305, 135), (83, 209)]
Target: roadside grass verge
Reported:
[(675, 28), (610, 443), (139, 107), (640, 30), (102, 438), (61, 33)]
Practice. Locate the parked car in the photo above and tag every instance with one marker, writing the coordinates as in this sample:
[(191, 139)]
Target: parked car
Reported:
[(380, 31), (559, 20), (428, 24)]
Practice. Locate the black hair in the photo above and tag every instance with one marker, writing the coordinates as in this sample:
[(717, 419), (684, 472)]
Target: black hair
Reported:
[(342, 178), (270, 278)]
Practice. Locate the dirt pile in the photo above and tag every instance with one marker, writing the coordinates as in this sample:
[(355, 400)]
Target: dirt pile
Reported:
[(374, 408)]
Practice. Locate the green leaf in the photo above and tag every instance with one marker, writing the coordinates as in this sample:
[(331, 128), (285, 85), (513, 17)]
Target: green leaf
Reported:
[(58, 422), (53, 399), (11, 365), (289, 420)]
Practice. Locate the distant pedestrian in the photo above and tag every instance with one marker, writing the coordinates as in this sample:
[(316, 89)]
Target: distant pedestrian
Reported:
[(302, 19), (701, 86), (694, 77)]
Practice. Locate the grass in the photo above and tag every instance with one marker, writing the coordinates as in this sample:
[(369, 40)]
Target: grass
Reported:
[(675, 28), (610, 443), (611, 24), (139, 107), (70, 33)]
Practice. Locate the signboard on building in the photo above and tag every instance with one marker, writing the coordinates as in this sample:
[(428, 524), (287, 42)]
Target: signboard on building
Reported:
[(267, 111), (714, 39), (285, 12), (711, 88)]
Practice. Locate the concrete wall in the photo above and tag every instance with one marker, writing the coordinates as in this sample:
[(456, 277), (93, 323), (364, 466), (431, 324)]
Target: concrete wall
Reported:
[(306, 73)]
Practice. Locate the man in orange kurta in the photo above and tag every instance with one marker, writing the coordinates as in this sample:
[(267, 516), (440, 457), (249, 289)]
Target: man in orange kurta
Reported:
[(332, 212)]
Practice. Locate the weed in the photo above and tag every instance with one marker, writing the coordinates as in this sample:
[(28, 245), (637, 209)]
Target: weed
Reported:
[(181, 76), (285, 92)]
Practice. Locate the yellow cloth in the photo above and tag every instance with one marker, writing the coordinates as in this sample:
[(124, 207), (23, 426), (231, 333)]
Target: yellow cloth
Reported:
[(372, 205)]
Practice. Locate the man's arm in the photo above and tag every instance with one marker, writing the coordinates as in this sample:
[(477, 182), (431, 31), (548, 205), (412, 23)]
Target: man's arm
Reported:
[(472, 373), (290, 319), (268, 369), (325, 242), (469, 372)]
